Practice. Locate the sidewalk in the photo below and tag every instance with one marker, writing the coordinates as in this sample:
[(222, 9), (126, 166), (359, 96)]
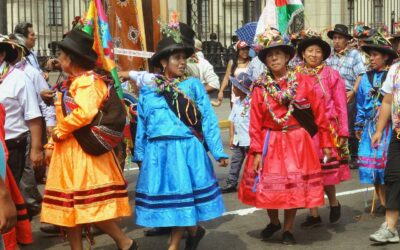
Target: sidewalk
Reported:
[(223, 112)]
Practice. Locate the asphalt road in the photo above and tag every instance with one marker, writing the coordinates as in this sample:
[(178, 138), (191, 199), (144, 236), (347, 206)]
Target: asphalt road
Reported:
[(241, 228)]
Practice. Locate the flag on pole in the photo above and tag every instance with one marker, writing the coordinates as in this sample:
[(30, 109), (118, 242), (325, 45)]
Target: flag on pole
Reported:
[(96, 25), (279, 14)]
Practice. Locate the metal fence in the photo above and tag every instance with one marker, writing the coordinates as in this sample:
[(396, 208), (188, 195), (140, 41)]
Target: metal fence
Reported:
[(374, 13), (50, 19), (220, 18)]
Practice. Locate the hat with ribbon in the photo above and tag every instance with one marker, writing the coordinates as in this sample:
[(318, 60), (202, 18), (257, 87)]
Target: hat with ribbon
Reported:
[(243, 82), (361, 31), (309, 37), (174, 40), (270, 39), (378, 42), (10, 47)]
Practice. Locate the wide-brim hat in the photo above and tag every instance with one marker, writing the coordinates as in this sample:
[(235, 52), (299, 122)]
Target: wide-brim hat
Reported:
[(305, 43), (80, 44), (340, 29), (384, 49), (166, 47), (243, 82), (11, 48), (285, 47)]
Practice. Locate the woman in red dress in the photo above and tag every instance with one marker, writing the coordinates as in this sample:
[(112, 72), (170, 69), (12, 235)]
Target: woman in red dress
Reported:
[(283, 169), (21, 233)]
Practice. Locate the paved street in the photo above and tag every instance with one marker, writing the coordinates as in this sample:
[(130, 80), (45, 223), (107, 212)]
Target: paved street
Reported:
[(240, 228)]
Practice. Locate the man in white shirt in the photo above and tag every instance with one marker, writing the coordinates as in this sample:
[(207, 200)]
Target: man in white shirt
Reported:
[(23, 125), (25, 30), (207, 74)]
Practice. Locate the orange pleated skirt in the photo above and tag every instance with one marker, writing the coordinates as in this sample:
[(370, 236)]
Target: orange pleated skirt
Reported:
[(83, 188)]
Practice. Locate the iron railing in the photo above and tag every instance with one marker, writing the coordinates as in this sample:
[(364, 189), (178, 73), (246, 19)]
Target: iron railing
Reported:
[(223, 18), (50, 19), (374, 13)]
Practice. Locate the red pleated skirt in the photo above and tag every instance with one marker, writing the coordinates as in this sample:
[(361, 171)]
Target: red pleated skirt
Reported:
[(22, 232), (291, 175)]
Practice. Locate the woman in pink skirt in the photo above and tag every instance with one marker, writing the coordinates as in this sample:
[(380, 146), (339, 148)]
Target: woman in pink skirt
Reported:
[(327, 83)]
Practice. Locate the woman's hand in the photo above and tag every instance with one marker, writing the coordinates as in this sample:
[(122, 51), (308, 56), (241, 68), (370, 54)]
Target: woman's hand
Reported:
[(257, 162), (55, 137), (223, 162), (220, 96), (376, 139), (350, 95), (47, 156), (327, 154), (342, 141), (8, 212), (47, 96), (358, 134)]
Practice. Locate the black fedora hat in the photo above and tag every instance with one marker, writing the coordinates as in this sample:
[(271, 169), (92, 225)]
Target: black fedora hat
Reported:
[(80, 44), (270, 39), (305, 43), (384, 49), (340, 29), (288, 49), (378, 42), (166, 47), (187, 33)]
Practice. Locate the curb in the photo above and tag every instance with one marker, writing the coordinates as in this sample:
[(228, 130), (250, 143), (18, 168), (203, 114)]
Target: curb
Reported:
[(224, 124)]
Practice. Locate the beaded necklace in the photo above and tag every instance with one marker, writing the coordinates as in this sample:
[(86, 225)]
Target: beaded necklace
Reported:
[(283, 97), (169, 85), (165, 84), (310, 71)]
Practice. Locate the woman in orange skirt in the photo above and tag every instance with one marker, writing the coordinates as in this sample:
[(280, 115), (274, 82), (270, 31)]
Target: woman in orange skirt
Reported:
[(82, 188)]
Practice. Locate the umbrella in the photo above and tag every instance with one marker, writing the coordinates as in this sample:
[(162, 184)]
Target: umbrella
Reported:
[(247, 32)]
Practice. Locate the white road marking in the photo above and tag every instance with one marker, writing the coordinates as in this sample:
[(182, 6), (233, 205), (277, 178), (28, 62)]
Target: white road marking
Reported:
[(247, 211), (131, 168)]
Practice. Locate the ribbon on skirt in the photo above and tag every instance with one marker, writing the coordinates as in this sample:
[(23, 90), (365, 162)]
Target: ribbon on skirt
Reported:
[(264, 154)]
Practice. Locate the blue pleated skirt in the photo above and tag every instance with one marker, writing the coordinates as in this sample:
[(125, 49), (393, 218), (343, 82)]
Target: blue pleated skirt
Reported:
[(372, 161), (177, 186)]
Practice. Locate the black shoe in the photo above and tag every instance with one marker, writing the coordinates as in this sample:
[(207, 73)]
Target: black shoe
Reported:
[(157, 231), (228, 189), (51, 229), (270, 230), (193, 241), (134, 246), (311, 222), (288, 238), (335, 213)]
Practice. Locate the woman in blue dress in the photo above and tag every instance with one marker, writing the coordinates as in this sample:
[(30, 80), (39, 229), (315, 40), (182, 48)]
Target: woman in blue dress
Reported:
[(176, 127), (372, 159)]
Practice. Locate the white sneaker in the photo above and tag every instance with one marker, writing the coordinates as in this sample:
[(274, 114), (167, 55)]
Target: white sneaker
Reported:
[(384, 235)]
